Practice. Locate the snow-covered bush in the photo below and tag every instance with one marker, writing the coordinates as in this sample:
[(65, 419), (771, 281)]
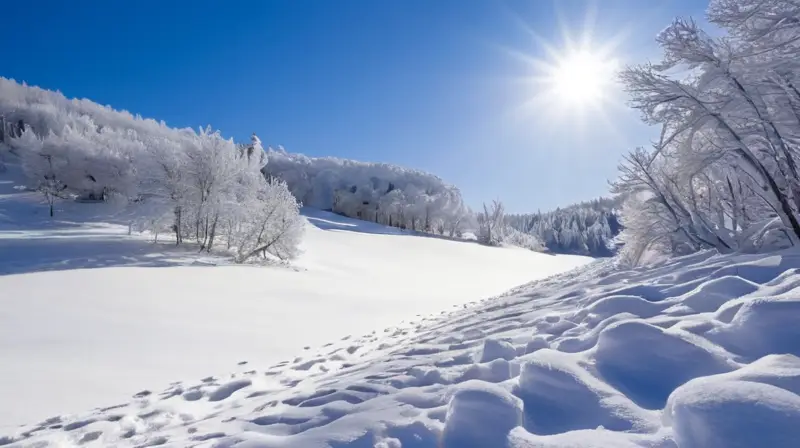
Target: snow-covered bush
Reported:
[(493, 229), (524, 240), (274, 227)]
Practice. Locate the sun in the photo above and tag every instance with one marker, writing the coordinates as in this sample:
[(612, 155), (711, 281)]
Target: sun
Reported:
[(571, 81), (581, 77), (576, 79)]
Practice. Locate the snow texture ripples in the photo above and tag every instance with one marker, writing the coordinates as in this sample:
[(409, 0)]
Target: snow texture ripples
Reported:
[(701, 351)]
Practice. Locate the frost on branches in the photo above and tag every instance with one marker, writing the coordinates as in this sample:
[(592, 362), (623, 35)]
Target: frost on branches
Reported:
[(724, 172), (378, 192), (585, 228), (195, 185), (494, 229)]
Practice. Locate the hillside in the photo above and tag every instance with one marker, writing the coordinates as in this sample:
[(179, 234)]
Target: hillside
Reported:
[(77, 147), (255, 323), (107, 312), (701, 351)]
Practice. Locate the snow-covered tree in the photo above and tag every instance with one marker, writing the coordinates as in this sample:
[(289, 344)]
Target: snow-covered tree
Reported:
[(586, 228), (273, 226), (44, 165), (383, 193), (491, 224), (494, 228), (728, 153), (195, 184)]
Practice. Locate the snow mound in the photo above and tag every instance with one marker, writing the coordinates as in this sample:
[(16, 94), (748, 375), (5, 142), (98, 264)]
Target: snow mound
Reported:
[(700, 351), (613, 305), (561, 396), (496, 349), (537, 343), (480, 415), (762, 326), (589, 438), (648, 363), (733, 414), (711, 295), (778, 370)]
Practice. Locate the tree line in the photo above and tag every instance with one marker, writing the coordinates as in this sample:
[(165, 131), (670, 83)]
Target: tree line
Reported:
[(378, 192), (587, 228)]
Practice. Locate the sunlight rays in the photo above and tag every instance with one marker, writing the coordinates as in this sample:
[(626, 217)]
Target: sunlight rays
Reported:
[(581, 77), (573, 80)]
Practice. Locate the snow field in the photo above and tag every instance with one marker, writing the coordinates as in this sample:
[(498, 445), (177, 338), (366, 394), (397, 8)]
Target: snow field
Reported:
[(577, 360), (90, 315)]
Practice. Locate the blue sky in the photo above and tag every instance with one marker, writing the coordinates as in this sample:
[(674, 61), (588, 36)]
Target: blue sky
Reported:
[(426, 84)]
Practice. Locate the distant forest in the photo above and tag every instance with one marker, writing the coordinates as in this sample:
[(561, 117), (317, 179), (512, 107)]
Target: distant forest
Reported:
[(586, 228)]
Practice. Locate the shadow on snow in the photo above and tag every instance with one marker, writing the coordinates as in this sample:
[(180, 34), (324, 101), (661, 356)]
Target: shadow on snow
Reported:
[(326, 220), (80, 236), (56, 252)]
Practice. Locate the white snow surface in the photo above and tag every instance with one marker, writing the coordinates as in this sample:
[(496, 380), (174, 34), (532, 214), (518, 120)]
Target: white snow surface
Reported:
[(90, 315), (697, 352)]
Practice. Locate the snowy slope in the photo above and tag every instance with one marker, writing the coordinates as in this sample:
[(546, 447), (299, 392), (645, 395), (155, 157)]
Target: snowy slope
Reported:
[(701, 352), (73, 335)]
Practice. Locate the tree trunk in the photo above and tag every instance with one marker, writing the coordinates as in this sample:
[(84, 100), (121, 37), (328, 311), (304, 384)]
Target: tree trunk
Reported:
[(213, 233), (178, 225)]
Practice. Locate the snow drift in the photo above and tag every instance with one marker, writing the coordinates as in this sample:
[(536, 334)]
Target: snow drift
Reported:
[(599, 357)]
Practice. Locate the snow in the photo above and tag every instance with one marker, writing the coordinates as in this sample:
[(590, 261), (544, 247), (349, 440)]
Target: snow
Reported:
[(475, 401), (700, 352), (733, 414), (496, 349), (91, 316), (625, 357)]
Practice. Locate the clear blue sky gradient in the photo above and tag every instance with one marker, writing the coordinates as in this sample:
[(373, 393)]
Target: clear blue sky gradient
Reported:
[(421, 83)]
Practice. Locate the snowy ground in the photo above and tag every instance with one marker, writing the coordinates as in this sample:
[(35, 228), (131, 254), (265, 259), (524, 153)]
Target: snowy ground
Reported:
[(73, 335), (701, 352)]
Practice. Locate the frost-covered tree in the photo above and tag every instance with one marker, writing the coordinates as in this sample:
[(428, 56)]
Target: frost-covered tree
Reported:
[(456, 219), (273, 227), (727, 158), (586, 228), (494, 228), (213, 189), (195, 184), (164, 187), (44, 165), (491, 224), (383, 193)]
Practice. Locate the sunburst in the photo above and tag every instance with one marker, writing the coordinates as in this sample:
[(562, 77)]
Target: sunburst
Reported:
[(574, 79)]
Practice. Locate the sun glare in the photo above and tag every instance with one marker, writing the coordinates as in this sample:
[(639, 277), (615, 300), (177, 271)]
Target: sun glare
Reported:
[(581, 78), (572, 81)]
